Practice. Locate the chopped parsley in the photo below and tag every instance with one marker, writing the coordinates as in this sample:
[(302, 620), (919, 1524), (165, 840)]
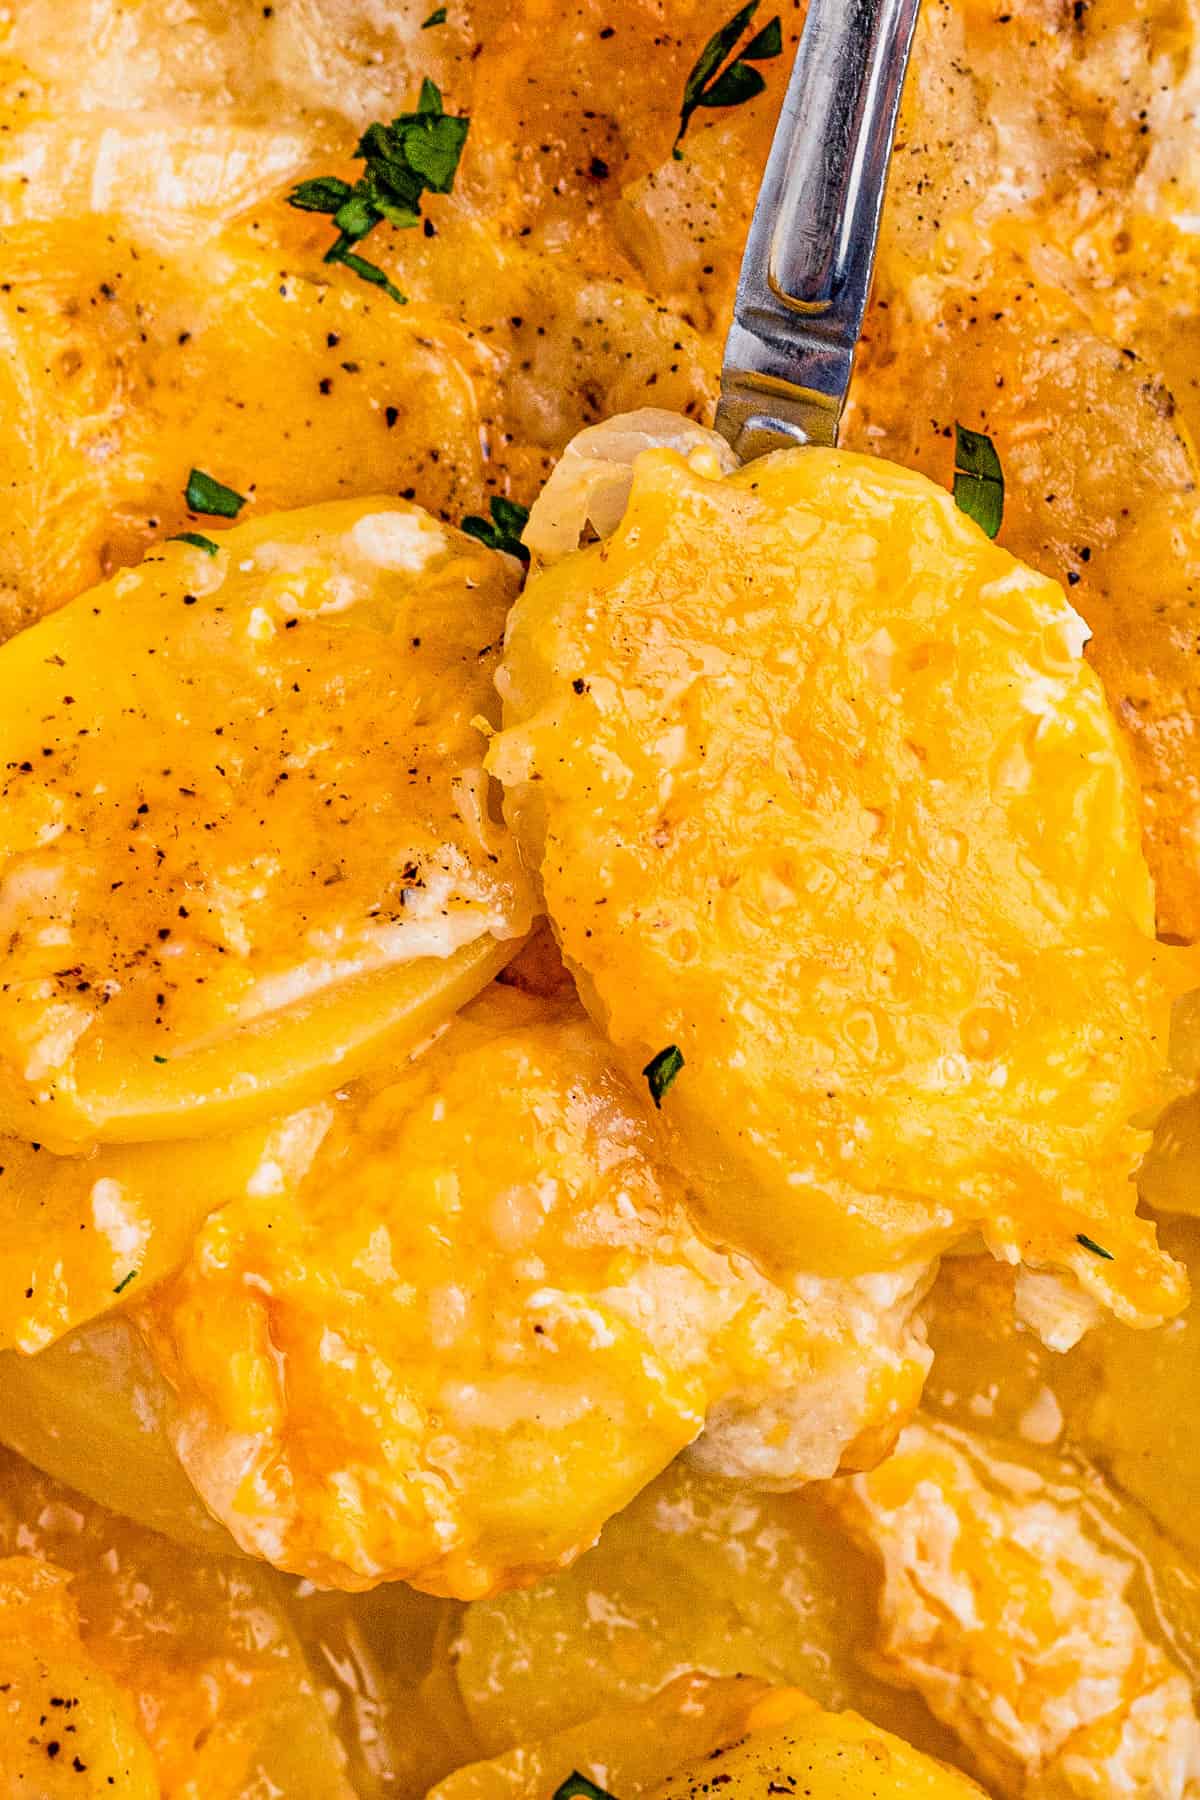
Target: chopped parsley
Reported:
[(160, 1059), (195, 539), (418, 153), (206, 495), (1095, 1248), (124, 1282), (503, 530), (436, 17), (661, 1071), (711, 85), (978, 479), (578, 1787)]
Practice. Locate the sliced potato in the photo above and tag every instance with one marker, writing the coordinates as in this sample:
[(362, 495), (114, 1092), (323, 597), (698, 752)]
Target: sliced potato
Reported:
[(694, 1575), (1015, 1599), (482, 1318), (627, 1750), (1139, 1412), (92, 1411), (246, 843), (824, 1756), (1128, 1402), (80, 1235), (842, 844), (199, 1647)]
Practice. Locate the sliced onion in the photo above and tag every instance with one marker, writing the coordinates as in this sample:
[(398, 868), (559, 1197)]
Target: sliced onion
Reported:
[(590, 486)]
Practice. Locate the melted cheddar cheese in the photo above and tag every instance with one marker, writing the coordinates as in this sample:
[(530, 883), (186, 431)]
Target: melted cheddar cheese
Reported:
[(482, 1319), (245, 835), (821, 793)]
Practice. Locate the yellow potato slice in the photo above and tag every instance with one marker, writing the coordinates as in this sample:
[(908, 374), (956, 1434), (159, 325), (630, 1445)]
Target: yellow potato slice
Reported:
[(824, 800), (627, 1751), (93, 1411), (245, 840), (824, 1756), (1128, 1402), (193, 1654), (66, 1730), (481, 1319), (82, 1234), (1138, 1411), (694, 1575)]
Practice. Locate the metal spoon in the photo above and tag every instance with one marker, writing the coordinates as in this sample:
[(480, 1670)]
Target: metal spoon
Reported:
[(807, 268)]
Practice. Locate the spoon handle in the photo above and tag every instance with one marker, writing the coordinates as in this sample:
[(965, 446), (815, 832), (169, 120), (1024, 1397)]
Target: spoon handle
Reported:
[(807, 268)]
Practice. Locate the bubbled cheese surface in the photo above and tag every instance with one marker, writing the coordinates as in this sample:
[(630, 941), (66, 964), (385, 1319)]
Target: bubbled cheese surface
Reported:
[(483, 1319), (820, 791), (244, 830)]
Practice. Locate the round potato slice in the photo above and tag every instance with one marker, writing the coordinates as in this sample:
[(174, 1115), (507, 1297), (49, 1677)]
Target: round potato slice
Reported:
[(193, 1665), (842, 845), (825, 1756), (630, 1749), (93, 1411), (245, 837), (482, 1320), (80, 1235)]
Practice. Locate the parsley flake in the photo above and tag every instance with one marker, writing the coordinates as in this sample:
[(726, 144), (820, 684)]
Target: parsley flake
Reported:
[(503, 530), (1095, 1248), (418, 153), (160, 1059), (206, 495), (578, 1787), (711, 85), (196, 540), (436, 17), (124, 1282), (661, 1071), (978, 479)]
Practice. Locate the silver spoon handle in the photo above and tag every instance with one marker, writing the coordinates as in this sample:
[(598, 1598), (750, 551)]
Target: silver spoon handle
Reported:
[(811, 249)]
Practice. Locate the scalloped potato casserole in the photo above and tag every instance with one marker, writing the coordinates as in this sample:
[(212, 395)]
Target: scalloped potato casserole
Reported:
[(599, 1047)]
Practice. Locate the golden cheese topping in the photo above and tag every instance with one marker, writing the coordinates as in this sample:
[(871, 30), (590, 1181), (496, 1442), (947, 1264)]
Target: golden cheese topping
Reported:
[(245, 836), (1003, 1605), (821, 795), (483, 1319), (66, 1730)]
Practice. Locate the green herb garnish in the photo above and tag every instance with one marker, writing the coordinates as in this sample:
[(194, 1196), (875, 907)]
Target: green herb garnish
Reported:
[(1095, 1248), (436, 17), (204, 495), (503, 530), (418, 153), (578, 1787), (711, 85), (124, 1282), (196, 540), (661, 1071), (978, 479)]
